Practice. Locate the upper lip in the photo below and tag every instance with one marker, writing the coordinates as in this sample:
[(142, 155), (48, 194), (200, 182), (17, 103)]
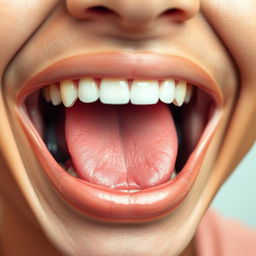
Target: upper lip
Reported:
[(92, 199), (124, 65)]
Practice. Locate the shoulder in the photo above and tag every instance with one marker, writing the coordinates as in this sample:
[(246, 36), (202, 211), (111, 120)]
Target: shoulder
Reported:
[(224, 237)]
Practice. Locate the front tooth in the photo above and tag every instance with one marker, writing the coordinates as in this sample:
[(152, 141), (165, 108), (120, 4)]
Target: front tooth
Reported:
[(144, 92), (180, 93), (114, 91), (88, 90), (188, 93), (167, 91), (68, 92), (55, 94)]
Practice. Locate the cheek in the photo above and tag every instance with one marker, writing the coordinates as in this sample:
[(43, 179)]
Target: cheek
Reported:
[(234, 22)]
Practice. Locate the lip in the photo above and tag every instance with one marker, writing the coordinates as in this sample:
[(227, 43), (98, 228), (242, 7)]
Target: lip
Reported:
[(108, 204)]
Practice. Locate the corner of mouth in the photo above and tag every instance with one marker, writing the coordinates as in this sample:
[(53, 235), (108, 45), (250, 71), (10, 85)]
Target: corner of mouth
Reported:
[(128, 205)]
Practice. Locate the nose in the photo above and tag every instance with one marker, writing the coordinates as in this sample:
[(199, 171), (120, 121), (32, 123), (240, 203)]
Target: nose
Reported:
[(134, 13)]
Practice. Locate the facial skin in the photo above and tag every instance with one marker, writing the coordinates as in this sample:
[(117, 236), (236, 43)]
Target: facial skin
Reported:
[(217, 35)]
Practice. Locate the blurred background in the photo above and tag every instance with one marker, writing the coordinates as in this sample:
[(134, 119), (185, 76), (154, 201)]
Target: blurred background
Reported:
[(237, 197)]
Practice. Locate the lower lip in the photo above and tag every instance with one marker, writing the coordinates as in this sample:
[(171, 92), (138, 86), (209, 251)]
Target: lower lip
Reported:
[(113, 205)]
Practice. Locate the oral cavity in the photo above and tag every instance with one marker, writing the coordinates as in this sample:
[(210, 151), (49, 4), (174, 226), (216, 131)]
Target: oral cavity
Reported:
[(118, 91), (128, 143)]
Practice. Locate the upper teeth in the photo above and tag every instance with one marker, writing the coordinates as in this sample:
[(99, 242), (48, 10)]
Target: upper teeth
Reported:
[(119, 91)]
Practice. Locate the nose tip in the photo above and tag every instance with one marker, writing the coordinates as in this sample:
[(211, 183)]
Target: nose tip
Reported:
[(134, 13)]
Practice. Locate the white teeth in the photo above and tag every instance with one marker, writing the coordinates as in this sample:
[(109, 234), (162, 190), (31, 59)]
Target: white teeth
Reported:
[(68, 92), (174, 174), (130, 190), (167, 91), (114, 91), (72, 172), (88, 90), (117, 91), (55, 94), (180, 93), (46, 93), (144, 92), (189, 92)]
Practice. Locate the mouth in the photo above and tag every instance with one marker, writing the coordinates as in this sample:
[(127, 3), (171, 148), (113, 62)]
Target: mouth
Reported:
[(121, 136)]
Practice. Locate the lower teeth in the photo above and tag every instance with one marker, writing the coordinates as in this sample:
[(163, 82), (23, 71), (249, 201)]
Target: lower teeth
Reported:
[(174, 174), (130, 191), (72, 172)]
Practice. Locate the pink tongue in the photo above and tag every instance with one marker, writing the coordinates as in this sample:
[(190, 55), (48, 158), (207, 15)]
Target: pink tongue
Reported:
[(122, 147)]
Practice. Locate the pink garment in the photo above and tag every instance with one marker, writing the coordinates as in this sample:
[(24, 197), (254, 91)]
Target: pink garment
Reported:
[(217, 236)]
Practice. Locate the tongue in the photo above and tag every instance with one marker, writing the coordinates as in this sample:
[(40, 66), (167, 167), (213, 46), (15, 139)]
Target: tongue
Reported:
[(122, 147)]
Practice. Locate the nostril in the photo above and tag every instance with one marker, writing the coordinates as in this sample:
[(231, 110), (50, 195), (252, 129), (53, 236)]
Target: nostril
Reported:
[(171, 11), (174, 14), (100, 10)]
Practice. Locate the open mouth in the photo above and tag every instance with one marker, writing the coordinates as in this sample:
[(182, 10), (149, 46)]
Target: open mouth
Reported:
[(120, 144)]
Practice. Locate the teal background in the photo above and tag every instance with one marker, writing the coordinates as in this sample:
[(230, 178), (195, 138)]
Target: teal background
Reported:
[(237, 197)]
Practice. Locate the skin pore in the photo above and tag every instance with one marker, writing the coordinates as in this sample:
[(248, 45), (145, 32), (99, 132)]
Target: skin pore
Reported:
[(37, 33)]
